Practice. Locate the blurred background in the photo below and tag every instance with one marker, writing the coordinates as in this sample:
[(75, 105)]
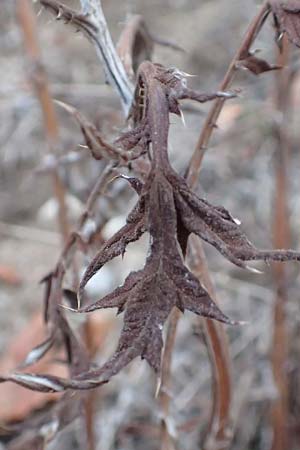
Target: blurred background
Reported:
[(241, 171)]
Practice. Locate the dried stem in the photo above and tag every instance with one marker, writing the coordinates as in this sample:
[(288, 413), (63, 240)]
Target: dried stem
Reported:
[(220, 416), (281, 238), (79, 232), (38, 77), (91, 21), (167, 441), (135, 45), (212, 117), (39, 80), (113, 67), (217, 434)]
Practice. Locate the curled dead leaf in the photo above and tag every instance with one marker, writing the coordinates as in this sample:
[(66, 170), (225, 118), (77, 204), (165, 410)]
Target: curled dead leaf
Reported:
[(257, 65)]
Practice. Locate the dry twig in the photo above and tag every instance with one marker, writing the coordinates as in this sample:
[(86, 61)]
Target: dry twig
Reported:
[(39, 80), (91, 21), (281, 237)]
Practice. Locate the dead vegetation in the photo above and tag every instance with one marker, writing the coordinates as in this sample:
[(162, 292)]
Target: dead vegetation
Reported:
[(169, 211)]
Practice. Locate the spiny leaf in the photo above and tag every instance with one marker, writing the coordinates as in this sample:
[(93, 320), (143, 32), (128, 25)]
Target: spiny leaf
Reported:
[(148, 296), (116, 245), (216, 226), (169, 211)]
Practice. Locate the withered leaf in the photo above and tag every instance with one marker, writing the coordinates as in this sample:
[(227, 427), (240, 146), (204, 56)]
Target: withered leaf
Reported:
[(98, 147), (167, 200), (129, 146), (257, 65), (116, 245), (148, 296), (170, 212), (287, 19)]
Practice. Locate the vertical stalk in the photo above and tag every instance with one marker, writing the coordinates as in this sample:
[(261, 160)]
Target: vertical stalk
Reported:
[(217, 343), (281, 239), (39, 80), (111, 61), (166, 440), (217, 434), (212, 117)]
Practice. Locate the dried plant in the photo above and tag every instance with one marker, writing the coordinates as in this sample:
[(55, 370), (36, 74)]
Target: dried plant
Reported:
[(166, 208)]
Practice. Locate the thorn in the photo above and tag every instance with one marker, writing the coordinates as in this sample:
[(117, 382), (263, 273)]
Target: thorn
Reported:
[(158, 386), (123, 251), (243, 322), (235, 322), (254, 270), (78, 300), (237, 221), (40, 11), (182, 117), (255, 51), (116, 177), (224, 94), (65, 106), (279, 39), (240, 66), (190, 75), (68, 308), (60, 13)]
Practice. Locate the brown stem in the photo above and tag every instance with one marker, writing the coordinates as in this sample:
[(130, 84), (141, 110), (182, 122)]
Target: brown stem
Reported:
[(96, 192), (91, 21), (217, 434), (165, 386), (221, 406), (281, 238), (216, 337), (210, 122), (218, 431), (39, 80)]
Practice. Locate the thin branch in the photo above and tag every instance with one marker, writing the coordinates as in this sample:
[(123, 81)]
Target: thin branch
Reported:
[(92, 23), (215, 334), (281, 238), (212, 117), (166, 438), (80, 233), (218, 433), (39, 80)]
